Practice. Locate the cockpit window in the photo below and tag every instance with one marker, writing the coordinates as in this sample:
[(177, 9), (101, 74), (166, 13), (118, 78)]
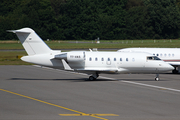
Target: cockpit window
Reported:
[(153, 58)]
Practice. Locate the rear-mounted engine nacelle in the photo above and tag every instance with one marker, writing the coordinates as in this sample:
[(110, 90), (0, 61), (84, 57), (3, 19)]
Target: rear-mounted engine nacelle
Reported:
[(74, 56)]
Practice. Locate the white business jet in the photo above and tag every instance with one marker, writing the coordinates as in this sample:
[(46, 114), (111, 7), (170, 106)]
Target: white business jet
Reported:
[(169, 55), (89, 62)]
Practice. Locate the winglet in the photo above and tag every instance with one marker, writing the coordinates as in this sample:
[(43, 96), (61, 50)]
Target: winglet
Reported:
[(66, 66), (90, 50)]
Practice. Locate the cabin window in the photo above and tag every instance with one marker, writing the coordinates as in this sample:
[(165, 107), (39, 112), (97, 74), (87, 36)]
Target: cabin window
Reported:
[(108, 59), (114, 59), (157, 54), (120, 59), (172, 55), (102, 59), (169, 55), (96, 59), (133, 59), (90, 59), (153, 54), (161, 55), (165, 55), (126, 59)]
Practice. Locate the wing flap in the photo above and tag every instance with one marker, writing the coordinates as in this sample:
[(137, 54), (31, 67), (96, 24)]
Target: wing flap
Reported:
[(98, 70)]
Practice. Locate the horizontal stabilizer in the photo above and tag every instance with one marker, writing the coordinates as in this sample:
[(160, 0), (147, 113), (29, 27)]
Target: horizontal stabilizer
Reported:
[(18, 31)]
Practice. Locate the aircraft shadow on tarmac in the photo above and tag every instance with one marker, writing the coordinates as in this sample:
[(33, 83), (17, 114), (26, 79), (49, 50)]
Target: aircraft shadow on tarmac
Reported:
[(73, 80), (83, 79), (86, 80), (141, 80)]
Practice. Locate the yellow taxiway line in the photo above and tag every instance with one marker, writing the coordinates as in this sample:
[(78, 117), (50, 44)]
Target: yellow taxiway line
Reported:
[(88, 115), (79, 113)]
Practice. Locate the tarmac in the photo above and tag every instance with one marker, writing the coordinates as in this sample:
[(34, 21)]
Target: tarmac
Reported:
[(35, 93)]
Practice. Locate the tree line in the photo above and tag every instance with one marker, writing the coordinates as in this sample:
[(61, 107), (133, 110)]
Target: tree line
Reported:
[(89, 19)]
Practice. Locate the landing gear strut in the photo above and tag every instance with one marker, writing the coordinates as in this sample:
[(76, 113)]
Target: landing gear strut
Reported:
[(157, 76)]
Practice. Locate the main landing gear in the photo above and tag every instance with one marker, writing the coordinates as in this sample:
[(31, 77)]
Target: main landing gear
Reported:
[(93, 76)]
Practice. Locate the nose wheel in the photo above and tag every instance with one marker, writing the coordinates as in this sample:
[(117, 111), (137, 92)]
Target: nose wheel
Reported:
[(157, 77)]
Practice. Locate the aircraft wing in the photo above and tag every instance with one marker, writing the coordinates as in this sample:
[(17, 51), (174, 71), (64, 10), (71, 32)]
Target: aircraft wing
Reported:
[(68, 68), (92, 70), (97, 70), (174, 64)]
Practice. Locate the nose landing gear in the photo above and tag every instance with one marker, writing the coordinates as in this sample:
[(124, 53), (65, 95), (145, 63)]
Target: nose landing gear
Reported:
[(157, 79), (157, 75)]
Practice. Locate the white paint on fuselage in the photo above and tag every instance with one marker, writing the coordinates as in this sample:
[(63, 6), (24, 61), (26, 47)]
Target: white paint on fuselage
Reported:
[(44, 60), (124, 62), (104, 62)]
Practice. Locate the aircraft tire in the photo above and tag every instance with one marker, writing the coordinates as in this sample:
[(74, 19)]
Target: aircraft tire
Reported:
[(156, 79), (91, 78)]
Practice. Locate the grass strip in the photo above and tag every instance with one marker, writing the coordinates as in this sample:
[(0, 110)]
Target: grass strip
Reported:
[(58, 44), (11, 58)]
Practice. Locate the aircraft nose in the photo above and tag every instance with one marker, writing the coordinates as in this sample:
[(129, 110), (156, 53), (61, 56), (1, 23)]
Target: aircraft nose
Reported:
[(171, 67), (167, 67)]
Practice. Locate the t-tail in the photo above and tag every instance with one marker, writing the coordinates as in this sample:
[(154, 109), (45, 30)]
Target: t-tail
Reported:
[(31, 42)]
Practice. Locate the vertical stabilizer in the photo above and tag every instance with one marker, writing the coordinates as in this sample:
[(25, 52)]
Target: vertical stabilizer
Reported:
[(31, 42)]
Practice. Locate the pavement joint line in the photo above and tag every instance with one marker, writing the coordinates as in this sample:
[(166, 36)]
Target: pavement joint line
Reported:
[(80, 113)]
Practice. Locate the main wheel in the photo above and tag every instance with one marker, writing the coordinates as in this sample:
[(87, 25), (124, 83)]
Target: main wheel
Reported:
[(91, 78)]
